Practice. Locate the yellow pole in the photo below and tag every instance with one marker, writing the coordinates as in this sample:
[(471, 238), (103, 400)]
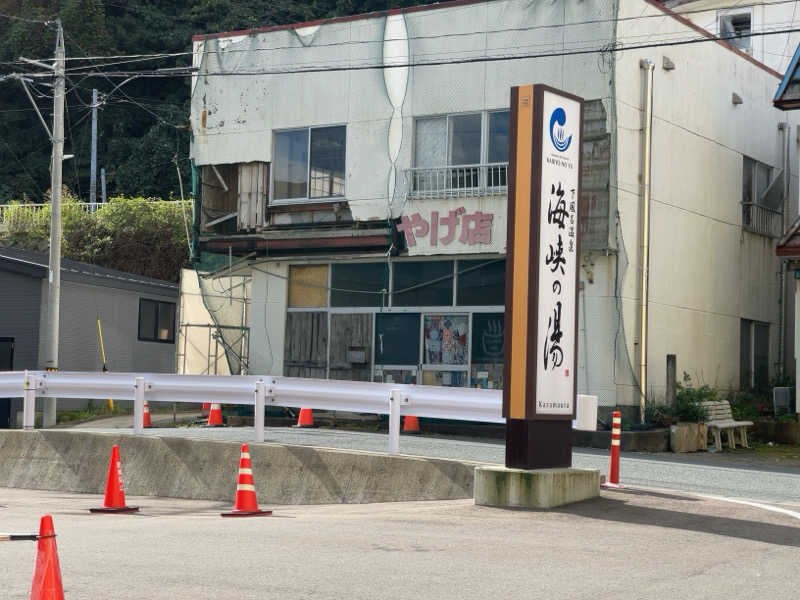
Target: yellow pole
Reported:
[(103, 356)]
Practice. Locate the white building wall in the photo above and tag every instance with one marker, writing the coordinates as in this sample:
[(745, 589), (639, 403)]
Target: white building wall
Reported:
[(775, 50), (268, 318), (706, 273)]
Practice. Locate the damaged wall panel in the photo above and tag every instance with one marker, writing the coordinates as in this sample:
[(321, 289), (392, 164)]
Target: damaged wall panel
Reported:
[(351, 347), (253, 194), (306, 345), (220, 198), (308, 286)]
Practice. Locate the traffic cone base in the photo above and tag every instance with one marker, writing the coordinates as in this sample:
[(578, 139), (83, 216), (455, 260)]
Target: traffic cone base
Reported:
[(305, 418), (247, 513), (124, 509)]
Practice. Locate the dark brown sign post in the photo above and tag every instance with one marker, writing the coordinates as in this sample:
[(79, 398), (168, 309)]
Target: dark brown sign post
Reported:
[(543, 249)]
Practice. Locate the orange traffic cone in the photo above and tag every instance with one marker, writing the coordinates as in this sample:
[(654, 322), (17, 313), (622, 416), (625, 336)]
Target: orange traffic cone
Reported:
[(215, 416), (146, 415), (205, 408), (47, 574), (246, 504), (115, 492), (410, 424), (306, 418)]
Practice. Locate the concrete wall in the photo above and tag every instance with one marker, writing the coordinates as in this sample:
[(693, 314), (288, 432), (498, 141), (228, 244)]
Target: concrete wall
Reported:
[(706, 273), (203, 469), (19, 316)]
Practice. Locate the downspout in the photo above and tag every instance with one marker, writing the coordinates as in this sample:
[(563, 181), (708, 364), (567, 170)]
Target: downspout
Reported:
[(648, 67), (786, 129)]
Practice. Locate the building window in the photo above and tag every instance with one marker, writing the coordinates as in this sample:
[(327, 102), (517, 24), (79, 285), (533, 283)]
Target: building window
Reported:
[(481, 282), (359, 284), (309, 164), (397, 339), (762, 199), (156, 321), (423, 283), (735, 29), (460, 152), (308, 286), (754, 354)]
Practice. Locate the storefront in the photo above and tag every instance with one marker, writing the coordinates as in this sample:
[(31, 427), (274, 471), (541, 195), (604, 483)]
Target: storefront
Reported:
[(435, 321)]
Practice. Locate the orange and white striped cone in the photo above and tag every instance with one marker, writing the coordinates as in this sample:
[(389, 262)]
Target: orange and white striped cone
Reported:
[(146, 415), (215, 416), (616, 436), (245, 504)]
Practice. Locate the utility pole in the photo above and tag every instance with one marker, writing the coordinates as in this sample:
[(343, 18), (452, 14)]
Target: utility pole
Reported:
[(103, 184), (93, 167), (54, 275)]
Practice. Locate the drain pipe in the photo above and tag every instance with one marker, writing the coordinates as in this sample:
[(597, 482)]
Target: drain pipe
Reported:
[(647, 128), (786, 129)]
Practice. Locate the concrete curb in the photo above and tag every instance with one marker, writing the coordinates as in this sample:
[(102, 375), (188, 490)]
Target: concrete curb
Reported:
[(77, 461)]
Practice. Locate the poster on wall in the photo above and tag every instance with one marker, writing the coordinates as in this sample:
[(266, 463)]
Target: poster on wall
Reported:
[(446, 339)]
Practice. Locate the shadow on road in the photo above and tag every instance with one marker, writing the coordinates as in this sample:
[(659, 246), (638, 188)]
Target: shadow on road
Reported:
[(623, 510)]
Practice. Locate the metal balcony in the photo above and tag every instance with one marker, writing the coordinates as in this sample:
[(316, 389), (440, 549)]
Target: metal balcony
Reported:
[(463, 181), (762, 220)]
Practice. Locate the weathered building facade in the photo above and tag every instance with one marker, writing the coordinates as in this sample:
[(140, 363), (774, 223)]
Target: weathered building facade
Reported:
[(354, 170), (137, 317)]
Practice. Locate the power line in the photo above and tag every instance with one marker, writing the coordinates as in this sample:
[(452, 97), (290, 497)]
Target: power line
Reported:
[(185, 72), (156, 56)]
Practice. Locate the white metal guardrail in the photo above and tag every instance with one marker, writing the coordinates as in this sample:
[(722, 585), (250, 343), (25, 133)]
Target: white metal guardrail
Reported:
[(464, 404)]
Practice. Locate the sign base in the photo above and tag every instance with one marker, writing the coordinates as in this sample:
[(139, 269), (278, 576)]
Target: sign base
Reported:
[(537, 489), (538, 444)]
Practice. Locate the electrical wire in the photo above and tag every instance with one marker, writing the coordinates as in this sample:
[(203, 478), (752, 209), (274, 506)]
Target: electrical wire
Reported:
[(484, 59)]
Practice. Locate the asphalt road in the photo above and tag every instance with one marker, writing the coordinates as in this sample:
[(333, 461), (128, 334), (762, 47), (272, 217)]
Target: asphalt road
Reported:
[(713, 475), (626, 545)]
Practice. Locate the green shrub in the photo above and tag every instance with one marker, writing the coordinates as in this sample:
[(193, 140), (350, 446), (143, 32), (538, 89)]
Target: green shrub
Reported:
[(689, 401)]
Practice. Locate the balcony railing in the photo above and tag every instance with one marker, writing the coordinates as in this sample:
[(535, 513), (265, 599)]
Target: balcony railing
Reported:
[(762, 220), (457, 182)]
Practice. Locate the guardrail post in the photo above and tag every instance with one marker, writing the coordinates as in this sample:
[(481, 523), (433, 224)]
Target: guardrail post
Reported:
[(258, 412), (395, 401), (28, 401), (138, 406)]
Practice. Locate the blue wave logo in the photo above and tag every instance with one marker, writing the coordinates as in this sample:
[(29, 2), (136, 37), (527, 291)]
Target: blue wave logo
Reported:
[(558, 134)]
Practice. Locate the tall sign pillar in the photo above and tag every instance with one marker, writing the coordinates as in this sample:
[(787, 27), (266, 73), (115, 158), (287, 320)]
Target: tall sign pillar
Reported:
[(543, 249)]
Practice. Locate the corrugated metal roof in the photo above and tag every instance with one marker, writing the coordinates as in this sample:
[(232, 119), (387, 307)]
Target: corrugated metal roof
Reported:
[(36, 263)]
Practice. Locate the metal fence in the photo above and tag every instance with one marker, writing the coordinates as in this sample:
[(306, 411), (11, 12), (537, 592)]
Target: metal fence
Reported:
[(762, 220), (464, 404), (461, 181)]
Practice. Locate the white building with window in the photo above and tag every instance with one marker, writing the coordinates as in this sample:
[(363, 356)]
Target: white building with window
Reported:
[(743, 24), (351, 193)]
